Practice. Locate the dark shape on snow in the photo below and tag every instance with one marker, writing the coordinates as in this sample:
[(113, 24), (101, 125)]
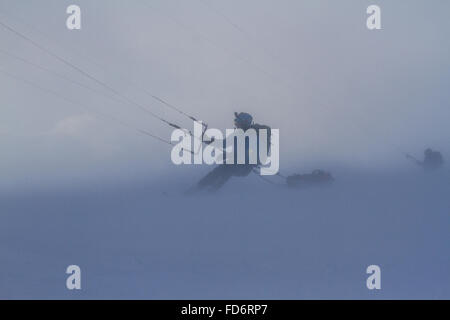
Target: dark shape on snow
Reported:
[(315, 178), (222, 173), (432, 160)]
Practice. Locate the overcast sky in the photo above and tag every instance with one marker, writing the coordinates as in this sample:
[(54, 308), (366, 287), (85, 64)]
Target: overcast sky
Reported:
[(338, 92)]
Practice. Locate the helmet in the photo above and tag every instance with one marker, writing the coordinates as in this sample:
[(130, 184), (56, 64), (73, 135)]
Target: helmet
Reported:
[(243, 120)]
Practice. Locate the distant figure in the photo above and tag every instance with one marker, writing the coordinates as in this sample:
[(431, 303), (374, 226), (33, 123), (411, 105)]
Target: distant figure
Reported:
[(222, 173), (316, 178), (432, 160)]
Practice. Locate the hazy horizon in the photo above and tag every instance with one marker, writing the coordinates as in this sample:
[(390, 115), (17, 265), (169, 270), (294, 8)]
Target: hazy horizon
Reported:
[(340, 94), (81, 185)]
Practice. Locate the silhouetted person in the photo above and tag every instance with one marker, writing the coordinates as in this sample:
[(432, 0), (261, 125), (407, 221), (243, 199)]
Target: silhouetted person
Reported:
[(432, 160), (222, 173)]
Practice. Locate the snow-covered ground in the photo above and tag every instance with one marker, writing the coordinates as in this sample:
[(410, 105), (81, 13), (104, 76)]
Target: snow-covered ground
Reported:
[(251, 240)]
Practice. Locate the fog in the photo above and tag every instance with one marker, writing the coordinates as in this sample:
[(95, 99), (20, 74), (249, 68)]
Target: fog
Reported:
[(79, 187), (250, 241), (338, 92)]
